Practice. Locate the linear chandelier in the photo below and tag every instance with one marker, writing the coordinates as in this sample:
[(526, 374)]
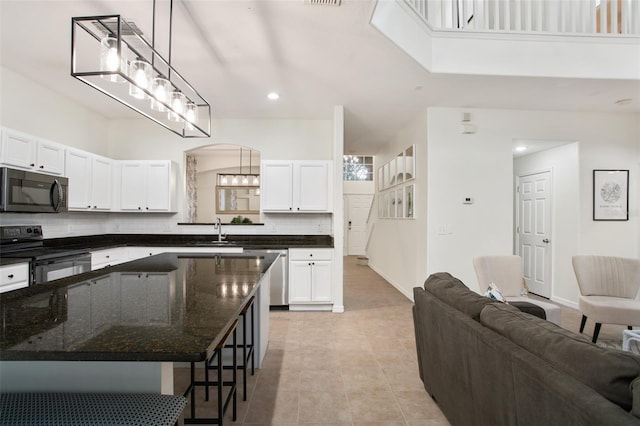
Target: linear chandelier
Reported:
[(240, 179), (112, 56)]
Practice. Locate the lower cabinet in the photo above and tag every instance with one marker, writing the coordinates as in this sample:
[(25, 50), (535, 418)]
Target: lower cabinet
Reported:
[(13, 277), (108, 257), (310, 276)]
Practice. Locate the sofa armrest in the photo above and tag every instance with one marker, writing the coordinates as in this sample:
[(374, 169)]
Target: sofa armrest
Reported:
[(635, 390)]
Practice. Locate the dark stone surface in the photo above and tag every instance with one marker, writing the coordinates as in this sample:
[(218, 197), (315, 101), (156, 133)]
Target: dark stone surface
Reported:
[(196, 240), (169, 307)]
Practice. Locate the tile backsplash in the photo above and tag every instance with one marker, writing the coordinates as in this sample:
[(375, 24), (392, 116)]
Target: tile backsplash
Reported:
[(78, 223)]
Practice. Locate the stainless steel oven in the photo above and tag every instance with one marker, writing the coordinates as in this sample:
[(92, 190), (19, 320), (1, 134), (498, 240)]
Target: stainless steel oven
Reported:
[(45, 263), (28, 192)]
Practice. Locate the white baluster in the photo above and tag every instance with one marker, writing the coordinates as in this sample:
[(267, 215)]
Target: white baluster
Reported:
[(624, 12), (507, 16), (603, 16), (614, 17), (517, 15)]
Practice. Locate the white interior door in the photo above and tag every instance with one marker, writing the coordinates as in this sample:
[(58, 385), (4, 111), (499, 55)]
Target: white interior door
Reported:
[(357, 207), (534, 231)]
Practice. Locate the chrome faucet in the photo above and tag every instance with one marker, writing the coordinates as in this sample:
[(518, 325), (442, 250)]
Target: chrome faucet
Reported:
[(218, 227)]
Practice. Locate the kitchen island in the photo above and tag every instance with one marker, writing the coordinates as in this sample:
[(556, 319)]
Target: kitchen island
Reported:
[(122, 328)]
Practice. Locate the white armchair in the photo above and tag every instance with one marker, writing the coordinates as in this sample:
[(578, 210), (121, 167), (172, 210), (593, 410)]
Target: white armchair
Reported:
[(609, 289), (506, 273)]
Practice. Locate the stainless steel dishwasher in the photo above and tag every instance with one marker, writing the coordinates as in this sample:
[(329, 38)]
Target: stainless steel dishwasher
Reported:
[(279, 294)]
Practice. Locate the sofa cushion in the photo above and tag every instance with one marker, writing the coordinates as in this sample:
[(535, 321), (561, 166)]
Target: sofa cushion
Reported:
[(454, 293), (635, 389), (608, 371), (530, 308)]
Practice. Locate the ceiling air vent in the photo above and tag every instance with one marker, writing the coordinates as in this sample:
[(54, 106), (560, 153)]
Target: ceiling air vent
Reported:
[(110, 27), (323, 2)]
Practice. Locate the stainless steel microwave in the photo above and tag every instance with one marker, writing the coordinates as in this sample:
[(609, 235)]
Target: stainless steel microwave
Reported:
[(29, 192)]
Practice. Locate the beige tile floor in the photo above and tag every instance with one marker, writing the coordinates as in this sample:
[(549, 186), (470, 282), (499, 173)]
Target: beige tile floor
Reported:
[(355, 368)]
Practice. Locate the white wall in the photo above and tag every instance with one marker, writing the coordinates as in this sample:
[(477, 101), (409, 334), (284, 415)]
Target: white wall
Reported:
[(481, 166), (565, 228), (37, 110), (397, 249)]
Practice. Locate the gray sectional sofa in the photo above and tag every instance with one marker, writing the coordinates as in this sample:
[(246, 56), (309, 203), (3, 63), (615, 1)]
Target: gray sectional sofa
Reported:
[(488, 363)]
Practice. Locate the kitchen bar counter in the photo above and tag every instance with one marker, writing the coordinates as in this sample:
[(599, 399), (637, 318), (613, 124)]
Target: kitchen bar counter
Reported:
[(121, 328), (169, 307)]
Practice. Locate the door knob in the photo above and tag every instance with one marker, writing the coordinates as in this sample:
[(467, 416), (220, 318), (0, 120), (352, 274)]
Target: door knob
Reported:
[(546, 241)]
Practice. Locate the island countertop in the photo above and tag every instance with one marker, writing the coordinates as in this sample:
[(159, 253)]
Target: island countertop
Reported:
[(169, 307)]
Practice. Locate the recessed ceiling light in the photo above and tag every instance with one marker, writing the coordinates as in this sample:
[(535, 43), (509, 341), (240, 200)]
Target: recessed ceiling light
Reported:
[(521, 148), (273, 96)]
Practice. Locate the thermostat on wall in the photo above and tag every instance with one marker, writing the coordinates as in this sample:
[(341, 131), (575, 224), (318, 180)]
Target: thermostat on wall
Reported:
[(467, 200)]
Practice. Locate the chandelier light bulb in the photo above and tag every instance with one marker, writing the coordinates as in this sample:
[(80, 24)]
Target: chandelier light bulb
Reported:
[(245, 180), (178, 102), (224, 180), (256, 181), (234, 181), (109, 59), (191, 115), (160, 88), (140, 73)]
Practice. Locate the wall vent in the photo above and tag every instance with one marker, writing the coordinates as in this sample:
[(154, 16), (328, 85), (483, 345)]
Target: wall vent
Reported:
[(323, 2)]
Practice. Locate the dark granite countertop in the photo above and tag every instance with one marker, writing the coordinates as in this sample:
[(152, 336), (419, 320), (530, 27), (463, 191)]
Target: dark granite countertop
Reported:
[(263, 241), (12, 260), (169, 307)]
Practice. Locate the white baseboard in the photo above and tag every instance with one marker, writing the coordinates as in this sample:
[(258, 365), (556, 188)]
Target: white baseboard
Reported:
[(565, 302), (390, 281), (310, 307), (338, 309)]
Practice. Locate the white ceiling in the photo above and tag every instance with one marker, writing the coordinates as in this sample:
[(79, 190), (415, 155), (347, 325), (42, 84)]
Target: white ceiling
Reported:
[(236, 51)]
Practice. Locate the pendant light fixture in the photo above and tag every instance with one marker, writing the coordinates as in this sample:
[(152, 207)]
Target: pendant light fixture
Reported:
[(107, 51), (240, 178)]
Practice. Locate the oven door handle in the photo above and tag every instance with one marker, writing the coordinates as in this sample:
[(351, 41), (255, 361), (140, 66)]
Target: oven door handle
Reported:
[(54, 204)]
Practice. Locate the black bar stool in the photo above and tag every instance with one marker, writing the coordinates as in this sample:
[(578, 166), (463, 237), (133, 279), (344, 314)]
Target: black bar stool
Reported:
[(223, 400), (247, 348), (246, 345)]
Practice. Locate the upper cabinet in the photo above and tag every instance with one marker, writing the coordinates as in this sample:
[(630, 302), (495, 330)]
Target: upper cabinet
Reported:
[(147, 186), (27, 152), (90, 180), (296, 186)]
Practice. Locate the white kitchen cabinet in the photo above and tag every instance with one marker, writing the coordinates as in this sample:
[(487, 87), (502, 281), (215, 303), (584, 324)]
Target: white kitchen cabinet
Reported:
[(295, 186), (147, 186), (13, 277), (24, 151), (109, 257), (310, 276), (89, 181)]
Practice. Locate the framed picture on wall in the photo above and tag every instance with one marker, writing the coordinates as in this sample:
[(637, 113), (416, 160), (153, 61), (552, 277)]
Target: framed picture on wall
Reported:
[(611, 195)]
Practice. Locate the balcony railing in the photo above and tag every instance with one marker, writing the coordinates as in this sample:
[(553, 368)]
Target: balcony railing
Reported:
[(597, 17)]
